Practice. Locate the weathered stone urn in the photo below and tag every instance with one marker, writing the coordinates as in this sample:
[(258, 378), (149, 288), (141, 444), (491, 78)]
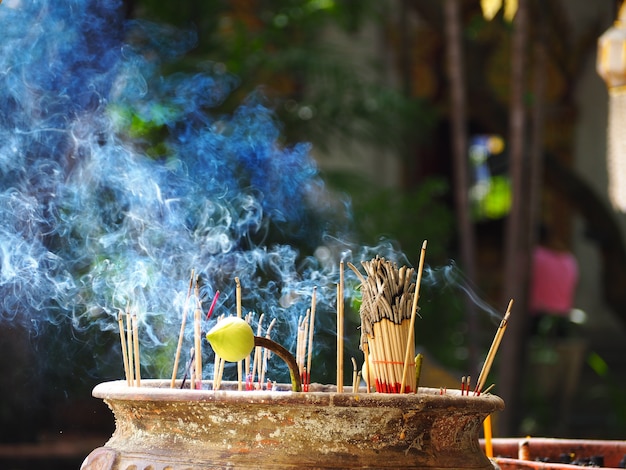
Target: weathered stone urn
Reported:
[(160, 428)]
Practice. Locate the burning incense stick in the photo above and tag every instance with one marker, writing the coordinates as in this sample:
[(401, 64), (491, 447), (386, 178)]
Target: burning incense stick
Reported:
[(216, 370), (198, 342), (120, 321), (239, 363), (218, 373), (213, 303), (188, 370), (191, 369), (301, 345), (129, 339), (355, 376), (181, 335), (304, 343), (257, 349), (136, 350), (410, 341), (266, 353), (298, 354), (340, 320), (218, 362), (310, 352), (249, 376), (482, 378)]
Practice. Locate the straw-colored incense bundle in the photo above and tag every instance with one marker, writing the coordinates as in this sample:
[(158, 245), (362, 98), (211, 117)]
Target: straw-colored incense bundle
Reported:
[(385, 318), (130, 347)]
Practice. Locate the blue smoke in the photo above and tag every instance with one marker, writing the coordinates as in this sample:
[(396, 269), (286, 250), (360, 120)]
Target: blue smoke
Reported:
[(97, 212)]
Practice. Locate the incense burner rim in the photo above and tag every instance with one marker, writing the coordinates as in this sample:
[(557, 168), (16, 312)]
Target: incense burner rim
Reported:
[(156, 390)]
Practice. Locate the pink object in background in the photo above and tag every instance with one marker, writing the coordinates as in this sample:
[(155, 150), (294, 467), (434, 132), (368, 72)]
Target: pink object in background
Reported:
[(554, 278)]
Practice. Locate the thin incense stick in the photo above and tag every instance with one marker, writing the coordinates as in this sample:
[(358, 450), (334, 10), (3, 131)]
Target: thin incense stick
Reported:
[(411, 338), (217, 383), (311, 328), (198, 342), (188, 370), (239, 314), (247, 358), (129, 339), (136, 349), (120, 321), (305, 339), (217, 360), (266, 353), (192, 370), (299, 346), (257, 350), (181, 335), (482, 378), (213, 303), (337, 380), (340, 316)]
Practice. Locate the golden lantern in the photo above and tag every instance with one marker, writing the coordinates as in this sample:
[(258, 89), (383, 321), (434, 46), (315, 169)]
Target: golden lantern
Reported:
[(611, 66)]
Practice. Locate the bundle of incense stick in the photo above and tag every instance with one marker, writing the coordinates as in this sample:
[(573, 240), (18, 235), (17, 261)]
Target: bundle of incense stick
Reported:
[(301, 346), (257, 365), (304, 343), (130, 348), (267, 354), (385, 319)]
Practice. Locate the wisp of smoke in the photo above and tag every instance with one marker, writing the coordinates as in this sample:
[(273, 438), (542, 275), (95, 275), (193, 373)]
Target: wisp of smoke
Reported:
[(93, 218)]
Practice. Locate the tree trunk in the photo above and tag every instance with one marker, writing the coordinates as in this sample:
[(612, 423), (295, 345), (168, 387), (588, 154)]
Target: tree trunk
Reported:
[(512, 347), (458, 116)]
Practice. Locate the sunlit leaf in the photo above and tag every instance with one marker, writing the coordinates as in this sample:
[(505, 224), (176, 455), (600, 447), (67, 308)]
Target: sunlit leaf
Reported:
[(510, 8), (490, 8), (598, 364)]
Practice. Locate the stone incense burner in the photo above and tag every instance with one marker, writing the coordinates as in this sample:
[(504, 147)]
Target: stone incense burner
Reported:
[(161, 428)]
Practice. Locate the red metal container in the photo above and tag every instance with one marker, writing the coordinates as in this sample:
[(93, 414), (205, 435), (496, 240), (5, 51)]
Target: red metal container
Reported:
[(557, 454)]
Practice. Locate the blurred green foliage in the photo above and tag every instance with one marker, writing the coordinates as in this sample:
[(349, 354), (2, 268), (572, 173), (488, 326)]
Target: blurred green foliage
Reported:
[(319, 90), (323, 95)]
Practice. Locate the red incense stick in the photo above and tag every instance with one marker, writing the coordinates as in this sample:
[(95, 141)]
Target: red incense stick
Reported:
[(212, 307)]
